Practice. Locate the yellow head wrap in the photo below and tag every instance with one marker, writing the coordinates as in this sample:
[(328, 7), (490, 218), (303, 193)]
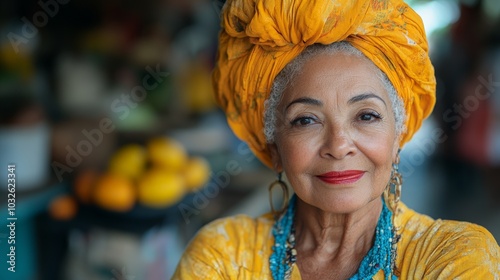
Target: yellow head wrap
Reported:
[(259, 37)]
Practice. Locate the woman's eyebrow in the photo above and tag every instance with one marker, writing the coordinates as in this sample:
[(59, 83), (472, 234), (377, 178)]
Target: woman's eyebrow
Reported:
[(365, 96), (305, 100)]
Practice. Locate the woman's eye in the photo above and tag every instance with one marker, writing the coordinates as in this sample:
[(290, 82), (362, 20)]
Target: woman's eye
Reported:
[(302, 121), (367, 117)]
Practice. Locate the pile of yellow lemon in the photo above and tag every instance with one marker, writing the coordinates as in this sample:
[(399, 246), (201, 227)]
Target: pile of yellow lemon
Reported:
[(156, 175)]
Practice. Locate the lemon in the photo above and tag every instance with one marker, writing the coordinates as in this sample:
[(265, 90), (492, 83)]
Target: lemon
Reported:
[(129, 161), (114, 192), (196, 173), (159, 188), (167, 153)]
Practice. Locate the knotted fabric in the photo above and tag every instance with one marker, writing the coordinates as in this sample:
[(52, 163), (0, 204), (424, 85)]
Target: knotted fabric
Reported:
[(260, 37)]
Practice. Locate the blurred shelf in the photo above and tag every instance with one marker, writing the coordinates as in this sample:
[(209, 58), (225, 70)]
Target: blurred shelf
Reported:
[(138, 220)]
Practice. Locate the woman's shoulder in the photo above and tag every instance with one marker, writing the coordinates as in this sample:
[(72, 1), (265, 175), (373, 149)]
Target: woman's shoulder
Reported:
[(446, 248), (226, 248), (419, 225), (236, 227)]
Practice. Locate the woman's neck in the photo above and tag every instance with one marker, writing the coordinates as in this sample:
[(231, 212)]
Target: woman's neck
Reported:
[(329, 236)]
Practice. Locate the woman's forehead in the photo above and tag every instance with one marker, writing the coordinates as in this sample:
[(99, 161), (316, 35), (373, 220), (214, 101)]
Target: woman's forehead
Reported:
[(338, 75)]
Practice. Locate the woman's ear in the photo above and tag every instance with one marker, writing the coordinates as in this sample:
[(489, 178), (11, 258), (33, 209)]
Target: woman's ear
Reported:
[(275, 157)]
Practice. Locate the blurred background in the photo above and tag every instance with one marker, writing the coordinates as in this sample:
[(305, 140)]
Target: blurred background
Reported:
[(104, 103)]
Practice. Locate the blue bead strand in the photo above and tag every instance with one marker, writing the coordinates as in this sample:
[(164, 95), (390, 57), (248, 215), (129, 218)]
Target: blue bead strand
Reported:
[(281, 231), (379, 256)]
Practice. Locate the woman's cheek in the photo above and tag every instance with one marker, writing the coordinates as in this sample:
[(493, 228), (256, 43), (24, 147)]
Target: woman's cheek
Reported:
[(376, 145), (298, 149)]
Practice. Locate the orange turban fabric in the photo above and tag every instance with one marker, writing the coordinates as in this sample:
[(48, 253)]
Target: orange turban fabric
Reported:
[(259, 37)]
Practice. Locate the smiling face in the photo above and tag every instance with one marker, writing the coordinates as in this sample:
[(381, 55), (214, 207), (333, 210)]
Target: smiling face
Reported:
[(335, 135)]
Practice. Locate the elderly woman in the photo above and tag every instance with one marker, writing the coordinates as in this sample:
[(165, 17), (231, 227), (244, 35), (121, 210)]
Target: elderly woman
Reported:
[(326, 92)]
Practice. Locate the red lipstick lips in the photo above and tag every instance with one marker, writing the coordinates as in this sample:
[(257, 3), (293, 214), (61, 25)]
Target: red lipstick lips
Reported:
[(341, 177)]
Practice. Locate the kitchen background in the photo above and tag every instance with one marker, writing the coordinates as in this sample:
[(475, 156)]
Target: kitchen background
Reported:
[(97, 96)]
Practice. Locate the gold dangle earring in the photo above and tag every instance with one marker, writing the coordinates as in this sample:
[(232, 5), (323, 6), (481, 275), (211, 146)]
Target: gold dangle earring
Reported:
[(392, 196), (284, 188), (392, 193)]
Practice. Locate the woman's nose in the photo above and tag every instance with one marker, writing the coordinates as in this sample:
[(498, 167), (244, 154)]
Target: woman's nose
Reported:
[(337, 144)]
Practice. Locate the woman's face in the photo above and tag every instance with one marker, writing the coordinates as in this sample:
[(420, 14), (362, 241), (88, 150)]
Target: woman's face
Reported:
[(335, 135)]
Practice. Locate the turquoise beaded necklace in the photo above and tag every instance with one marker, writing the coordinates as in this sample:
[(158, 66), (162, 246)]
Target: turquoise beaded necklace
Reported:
[(380, 256)]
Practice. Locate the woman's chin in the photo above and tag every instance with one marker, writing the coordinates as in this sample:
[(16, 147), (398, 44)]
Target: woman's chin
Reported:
[(340, 204)]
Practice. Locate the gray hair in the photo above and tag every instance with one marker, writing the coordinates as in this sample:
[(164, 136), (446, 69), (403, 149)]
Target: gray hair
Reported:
[(288, 74)]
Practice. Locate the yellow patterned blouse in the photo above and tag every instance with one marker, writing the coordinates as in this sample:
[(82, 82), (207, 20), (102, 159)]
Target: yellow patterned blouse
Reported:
[(239, 248)]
